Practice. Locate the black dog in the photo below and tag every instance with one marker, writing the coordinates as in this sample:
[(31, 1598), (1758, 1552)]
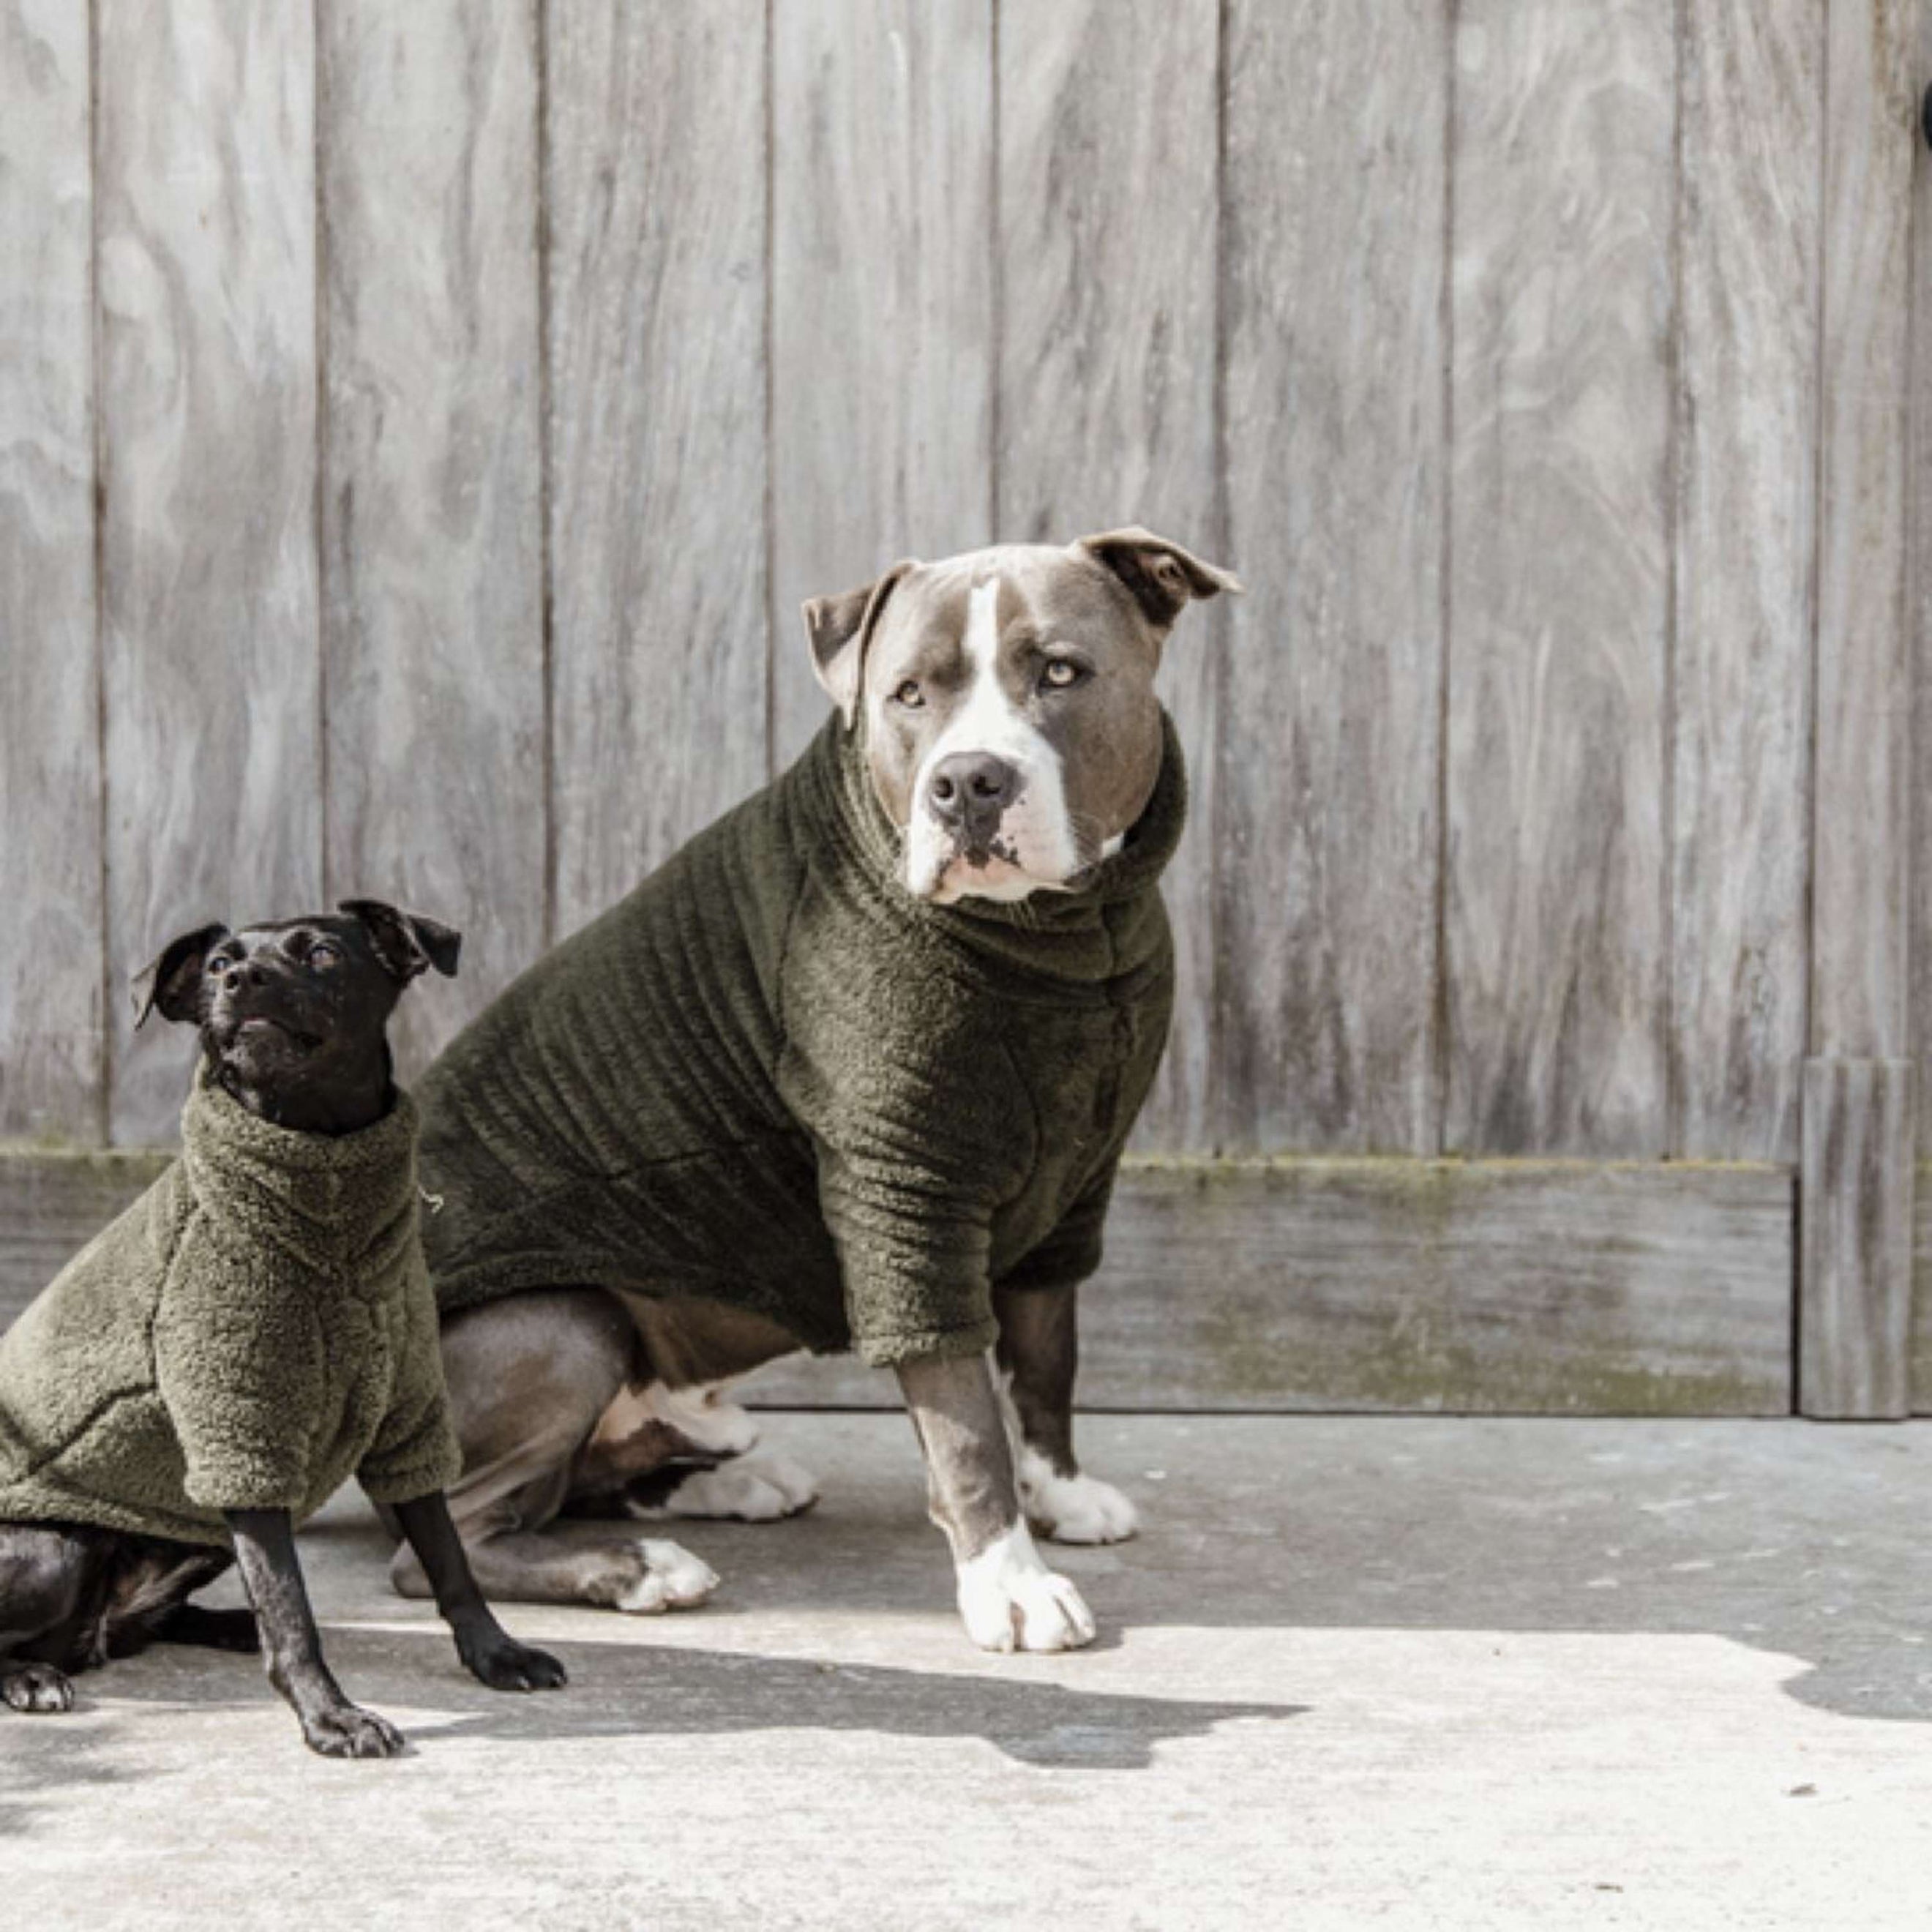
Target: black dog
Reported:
[(292, 1017)]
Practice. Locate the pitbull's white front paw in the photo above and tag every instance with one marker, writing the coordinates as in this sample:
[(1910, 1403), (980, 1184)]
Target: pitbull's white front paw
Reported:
[(1074, 1509), (1011, 1600)]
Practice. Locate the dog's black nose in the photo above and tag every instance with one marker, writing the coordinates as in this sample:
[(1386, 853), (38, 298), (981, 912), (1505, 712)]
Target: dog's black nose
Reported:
[(969, 791)]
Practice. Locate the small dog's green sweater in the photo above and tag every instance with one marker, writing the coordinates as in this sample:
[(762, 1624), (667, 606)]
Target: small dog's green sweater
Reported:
[(772, 1078), (255, 1329)]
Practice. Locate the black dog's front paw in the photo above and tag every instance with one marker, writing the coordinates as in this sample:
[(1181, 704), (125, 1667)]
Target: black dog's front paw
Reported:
[(36, 1687), (504, 1664), (347, 1730)]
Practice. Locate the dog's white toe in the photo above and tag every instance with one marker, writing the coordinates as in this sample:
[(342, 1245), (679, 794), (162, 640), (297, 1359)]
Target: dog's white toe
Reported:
[(754, 1488), (673, 1579), (1010, 1600), (1076, 1509)]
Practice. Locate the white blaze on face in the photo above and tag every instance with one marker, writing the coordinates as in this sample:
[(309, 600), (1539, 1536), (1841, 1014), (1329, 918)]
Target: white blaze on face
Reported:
[(1035, 832)]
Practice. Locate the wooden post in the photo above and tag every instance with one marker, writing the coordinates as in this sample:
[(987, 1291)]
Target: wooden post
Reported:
[(1855, 1244), (1855, 1200)]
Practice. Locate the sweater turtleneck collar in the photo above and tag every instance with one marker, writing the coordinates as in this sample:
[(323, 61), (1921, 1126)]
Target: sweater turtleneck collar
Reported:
[(321, 1198)]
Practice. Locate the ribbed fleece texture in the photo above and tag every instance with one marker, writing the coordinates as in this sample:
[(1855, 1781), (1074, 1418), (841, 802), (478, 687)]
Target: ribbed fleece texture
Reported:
[(255, 1329), (772, 1078)]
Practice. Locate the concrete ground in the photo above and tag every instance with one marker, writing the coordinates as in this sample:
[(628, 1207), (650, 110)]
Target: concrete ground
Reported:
[(1357, 1672)]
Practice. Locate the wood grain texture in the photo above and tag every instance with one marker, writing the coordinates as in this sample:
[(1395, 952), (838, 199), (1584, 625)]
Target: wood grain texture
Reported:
[(1559, 1287), (1855, 1248), (1919, 939), (1861, 812), (1328, 780), (50, 941), (204, 144), (656, 213), (1918, 1344), (1556, 964), (882, 306), (52, 1204), (1109, 129), (432, 507), (1564, 1288), (1751, 156)]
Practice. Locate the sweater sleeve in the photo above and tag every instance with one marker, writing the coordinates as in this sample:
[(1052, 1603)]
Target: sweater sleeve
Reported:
[(415, 1451), (237, 1364), (913, 1250), (1072, 1252), (921, 1128)]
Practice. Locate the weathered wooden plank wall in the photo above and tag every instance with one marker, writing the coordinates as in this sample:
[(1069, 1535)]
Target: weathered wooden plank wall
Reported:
[(51, 1075), (432, 556), (1558, 683), (1327, 836), (1751, 113), (206, 248), (419, 423)]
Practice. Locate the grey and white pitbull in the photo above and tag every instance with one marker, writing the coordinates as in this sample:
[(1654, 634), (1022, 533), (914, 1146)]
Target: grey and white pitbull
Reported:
[(1000, 725)]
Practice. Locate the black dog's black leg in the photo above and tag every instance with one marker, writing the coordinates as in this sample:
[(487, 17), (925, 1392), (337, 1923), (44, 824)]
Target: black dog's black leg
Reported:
[(43, 1573), (209, 1630), (265, 1547), (485, 1647)]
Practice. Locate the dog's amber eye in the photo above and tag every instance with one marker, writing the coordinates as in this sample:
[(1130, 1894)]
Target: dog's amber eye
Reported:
[(224, 962), (1060, 674), (909, 694), (323, 954)]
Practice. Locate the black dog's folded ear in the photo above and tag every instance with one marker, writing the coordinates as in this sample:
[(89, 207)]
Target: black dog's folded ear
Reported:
[(841, 630), (406, 942), (170, 983), (1162, 577)]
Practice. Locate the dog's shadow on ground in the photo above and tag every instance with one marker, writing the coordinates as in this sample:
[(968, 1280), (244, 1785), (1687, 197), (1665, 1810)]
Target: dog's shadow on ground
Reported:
[(633, 1688), (1802, 1540)]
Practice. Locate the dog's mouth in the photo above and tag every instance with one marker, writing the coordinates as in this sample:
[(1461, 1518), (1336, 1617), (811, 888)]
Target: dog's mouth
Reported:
[(265, 1026)]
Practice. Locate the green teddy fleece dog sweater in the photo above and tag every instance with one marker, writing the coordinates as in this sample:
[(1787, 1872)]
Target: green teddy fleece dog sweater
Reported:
[(253, 1330), (770, 1077)]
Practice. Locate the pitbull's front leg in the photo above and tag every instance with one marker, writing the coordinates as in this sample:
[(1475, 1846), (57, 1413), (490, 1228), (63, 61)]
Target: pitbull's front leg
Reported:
[(1008, 1598), (1038, 1355), (265, 1548)]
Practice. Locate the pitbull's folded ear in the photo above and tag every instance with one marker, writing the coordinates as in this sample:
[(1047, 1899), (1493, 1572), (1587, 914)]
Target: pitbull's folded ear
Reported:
[(170, 982), (1162, 577), (841, 630), (406, 942)]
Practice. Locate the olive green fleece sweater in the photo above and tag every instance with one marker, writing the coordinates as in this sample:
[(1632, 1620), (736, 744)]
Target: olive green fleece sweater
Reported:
[(772, 1078), (255, 1329)]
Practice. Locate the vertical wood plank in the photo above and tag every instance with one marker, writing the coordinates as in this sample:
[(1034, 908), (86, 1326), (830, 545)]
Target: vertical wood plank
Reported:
[(1108, 190), (882, 305), (1862, 809), (206, 186), (1327, 799), (656, 174), (1557, 962), (50, 940), (1919, 938), (1861, 812), (432, 507), (1752, 149), (1855, 1239)]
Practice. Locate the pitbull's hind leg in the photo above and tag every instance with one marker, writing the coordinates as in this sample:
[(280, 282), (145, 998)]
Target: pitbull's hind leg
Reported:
[(530, 1377), (672, 1444)]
